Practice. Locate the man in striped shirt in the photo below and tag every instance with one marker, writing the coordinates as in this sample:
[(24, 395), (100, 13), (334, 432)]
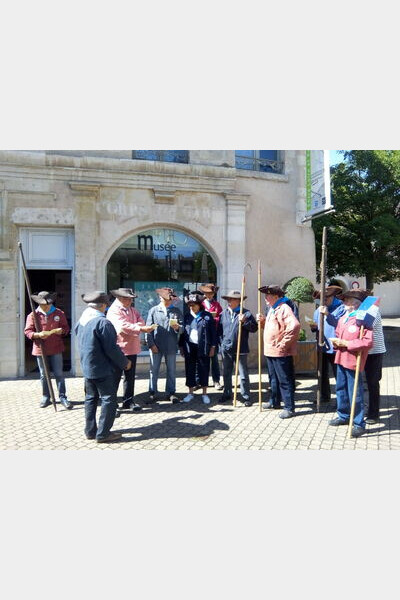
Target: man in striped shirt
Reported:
[(373, 371)]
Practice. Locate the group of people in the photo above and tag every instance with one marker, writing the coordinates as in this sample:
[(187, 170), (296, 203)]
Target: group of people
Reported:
[(109, 342)]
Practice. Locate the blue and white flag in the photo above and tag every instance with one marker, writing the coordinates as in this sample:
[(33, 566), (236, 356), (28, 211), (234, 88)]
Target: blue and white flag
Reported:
[(367, 312)]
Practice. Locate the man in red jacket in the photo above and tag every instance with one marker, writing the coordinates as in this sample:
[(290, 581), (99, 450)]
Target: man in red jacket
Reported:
[(53, 327), (348, 344)]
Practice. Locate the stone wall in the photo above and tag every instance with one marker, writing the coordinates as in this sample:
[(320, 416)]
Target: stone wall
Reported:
[(239, 216)]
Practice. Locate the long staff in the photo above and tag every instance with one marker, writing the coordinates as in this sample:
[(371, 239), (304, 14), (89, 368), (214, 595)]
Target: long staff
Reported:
[(259, 331), (321, 317), (37, 327), (356, 377), (239, 340)]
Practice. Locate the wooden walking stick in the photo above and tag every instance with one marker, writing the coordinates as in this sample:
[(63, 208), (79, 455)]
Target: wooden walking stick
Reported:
[(37, 327), (239, 333), (356, 377), (321, 317), (259, 331)]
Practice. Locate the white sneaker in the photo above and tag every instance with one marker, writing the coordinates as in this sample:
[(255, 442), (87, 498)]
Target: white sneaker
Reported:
[(188, 398), (206, 399)]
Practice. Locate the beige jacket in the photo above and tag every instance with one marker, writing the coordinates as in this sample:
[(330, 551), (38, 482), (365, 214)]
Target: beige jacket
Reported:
[(281, 332)]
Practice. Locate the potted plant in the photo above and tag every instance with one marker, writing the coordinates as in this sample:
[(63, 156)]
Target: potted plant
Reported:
[(300, 289)]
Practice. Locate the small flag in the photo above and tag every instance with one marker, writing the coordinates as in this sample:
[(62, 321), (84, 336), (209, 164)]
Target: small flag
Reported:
[(367, 312)]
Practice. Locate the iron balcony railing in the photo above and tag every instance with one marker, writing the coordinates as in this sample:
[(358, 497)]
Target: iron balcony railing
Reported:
[(266, 165), (177, 156)]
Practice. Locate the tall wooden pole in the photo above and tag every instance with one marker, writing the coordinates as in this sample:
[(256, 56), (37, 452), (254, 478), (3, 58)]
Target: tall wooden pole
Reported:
[(239, 340), (321, 317), (356, 377), (37, 327), (259, 331)]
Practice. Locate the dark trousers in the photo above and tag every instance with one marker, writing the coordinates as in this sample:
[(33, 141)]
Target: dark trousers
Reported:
[(104, 390), (197, 367), (281, 380), (128, 379), (373, 375), (327, 359), (215, 371)]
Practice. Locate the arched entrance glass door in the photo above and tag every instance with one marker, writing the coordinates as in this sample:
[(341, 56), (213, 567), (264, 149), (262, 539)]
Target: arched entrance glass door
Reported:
[(158, 258)]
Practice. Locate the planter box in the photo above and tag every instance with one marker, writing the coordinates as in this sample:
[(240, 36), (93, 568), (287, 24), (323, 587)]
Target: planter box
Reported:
[(306, 360)]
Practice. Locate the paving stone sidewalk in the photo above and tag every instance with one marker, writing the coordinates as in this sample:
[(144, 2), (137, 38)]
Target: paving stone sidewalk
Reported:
[(194, 426)]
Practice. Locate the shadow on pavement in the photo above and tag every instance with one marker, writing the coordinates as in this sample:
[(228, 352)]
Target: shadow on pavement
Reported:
[(173, 427)]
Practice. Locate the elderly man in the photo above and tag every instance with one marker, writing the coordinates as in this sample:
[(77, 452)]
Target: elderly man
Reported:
[(281, 331), (163, 342), (100, 358), (373, 370), (228, 331), (347, 344), (54, 326), (128, 324), (335, 307)]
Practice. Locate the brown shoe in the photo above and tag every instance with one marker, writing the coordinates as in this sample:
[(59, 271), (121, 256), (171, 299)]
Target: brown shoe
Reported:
[(112, 437)]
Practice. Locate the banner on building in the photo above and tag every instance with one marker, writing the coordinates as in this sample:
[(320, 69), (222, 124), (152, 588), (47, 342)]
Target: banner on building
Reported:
[(318, 183)]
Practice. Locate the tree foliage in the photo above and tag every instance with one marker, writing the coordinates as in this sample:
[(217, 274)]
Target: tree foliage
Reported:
[(299, 289), (364, 230)]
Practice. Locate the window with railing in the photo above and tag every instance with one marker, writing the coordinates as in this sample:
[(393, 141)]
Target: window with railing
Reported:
[(177, 156), (266, 161)]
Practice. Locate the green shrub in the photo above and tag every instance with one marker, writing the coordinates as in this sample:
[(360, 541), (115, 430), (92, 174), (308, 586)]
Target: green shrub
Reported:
[(299, 289), (302, 335)]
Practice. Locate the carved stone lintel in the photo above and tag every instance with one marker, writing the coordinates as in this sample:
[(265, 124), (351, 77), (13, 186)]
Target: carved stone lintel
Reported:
[(85, 189), (164, 196), (235, 199)]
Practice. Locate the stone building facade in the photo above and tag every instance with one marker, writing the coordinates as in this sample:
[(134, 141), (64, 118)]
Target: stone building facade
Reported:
[(78, 212)]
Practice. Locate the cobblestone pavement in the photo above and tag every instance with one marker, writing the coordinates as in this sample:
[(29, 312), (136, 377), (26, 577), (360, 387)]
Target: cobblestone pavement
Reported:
[(194, 426)]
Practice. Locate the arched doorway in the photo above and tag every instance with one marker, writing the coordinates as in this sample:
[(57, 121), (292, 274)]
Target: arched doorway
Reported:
[(157, 258)]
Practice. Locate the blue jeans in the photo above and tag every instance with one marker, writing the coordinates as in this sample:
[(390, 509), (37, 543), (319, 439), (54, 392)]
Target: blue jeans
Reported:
[(281, 380), (344, 394), (228, 361), (104, 390), (55, 362), (155, 363)]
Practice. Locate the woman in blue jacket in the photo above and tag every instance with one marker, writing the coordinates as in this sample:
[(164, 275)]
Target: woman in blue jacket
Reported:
[(197, 344)]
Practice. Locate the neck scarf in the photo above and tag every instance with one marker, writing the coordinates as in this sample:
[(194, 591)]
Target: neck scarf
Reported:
[(350, 314), (46, 314)]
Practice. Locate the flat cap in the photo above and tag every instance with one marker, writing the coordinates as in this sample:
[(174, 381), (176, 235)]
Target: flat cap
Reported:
[(235, 294), (124, 293), (274, 289), (98, 297), (44, 297)]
